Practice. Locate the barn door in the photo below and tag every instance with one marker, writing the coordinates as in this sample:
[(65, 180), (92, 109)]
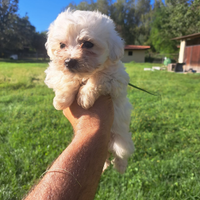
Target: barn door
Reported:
[(192, 56)]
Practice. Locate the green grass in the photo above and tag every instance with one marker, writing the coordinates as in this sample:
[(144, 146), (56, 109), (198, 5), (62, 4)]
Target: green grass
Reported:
[(166, 133)]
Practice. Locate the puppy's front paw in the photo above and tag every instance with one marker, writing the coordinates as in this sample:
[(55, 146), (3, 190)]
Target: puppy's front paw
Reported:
[(120, 164), (58, 105), (85, 98)]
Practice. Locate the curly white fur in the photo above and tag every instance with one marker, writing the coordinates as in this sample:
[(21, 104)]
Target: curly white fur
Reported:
[(85, 52)]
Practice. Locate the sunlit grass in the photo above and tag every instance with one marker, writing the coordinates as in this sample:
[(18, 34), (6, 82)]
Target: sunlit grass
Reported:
[(165, 131)]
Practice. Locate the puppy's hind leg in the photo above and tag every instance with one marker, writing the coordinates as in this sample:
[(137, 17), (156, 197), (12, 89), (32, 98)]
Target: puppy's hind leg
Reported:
[(107, 162), (120, 164), (122, 148)]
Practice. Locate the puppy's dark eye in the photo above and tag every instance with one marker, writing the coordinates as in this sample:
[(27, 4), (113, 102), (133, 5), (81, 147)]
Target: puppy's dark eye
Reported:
[(62, 45), (87, 45)]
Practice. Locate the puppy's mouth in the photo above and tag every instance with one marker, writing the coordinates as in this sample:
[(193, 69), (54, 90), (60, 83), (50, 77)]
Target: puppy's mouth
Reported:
[(71, 64)]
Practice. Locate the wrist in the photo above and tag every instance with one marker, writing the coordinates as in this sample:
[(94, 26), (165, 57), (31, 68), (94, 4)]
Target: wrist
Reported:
[(88, 124)]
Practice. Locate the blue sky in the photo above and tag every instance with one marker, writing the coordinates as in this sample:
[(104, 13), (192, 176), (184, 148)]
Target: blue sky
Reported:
[(42, 12)]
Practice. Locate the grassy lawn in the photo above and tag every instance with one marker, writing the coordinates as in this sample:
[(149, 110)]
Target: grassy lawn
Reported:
[(166, 133)]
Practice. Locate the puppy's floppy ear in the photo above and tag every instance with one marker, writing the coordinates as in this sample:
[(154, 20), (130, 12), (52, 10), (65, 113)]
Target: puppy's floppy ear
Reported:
[(116, 47), (50, 43), (49, 50)]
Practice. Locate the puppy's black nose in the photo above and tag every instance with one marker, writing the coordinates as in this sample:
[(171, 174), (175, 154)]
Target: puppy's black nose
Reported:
[(70, 63)]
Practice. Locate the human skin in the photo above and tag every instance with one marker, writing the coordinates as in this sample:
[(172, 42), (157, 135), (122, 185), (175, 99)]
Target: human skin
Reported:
[(76, 172)]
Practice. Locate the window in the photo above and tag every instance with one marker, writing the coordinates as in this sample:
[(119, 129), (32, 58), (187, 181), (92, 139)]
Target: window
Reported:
[(130, 53)]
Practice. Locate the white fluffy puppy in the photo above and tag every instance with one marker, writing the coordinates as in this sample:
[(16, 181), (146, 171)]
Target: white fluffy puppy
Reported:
[(85, 49)]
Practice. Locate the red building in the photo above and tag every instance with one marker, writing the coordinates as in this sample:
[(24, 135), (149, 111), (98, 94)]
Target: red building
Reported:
[(189, 53)]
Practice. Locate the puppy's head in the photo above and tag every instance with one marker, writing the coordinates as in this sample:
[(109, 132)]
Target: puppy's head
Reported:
[(83, 41)]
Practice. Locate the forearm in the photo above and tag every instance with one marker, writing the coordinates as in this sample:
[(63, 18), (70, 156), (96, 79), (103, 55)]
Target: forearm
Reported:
[(76, 172)]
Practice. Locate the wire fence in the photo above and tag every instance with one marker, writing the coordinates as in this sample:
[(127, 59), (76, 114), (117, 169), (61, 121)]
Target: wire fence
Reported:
[(149, 57), (33, 56), (24, 56), (159, 58)]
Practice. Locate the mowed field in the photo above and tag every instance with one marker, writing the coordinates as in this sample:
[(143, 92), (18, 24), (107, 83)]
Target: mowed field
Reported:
[(165, 130)]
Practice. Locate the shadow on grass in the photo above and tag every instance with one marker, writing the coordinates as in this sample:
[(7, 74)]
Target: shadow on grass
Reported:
[(16, 86), (24, 61)]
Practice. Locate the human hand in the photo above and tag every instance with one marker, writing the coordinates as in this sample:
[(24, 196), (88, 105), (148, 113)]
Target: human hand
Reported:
[(100, 115)]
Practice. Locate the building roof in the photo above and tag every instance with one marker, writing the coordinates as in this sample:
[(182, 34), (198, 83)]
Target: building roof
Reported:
[(133, 47), (195, 35)]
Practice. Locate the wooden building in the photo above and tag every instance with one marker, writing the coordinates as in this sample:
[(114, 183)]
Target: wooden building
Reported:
[(189, 54), (134, 53)]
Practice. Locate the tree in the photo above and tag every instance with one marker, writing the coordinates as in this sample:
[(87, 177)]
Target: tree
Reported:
[(130, 16), (143, 20), (184, 17), (160, 36), (174, 18), (15, 32), (8, 17), (23, 32), (38, 42), (123, 14)]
